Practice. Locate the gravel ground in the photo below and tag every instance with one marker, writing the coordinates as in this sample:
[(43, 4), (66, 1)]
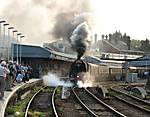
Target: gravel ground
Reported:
[(70, 108)]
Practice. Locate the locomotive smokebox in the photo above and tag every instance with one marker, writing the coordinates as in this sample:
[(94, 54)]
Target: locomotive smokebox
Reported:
[(80, 51)]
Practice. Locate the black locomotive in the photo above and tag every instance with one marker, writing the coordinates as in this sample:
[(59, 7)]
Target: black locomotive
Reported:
[(77, 67)]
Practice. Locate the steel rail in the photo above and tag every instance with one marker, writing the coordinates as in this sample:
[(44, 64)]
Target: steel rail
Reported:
[(131, 96), (53, 102), (106, 105), (89, 110), (28, 106), (131, 103)]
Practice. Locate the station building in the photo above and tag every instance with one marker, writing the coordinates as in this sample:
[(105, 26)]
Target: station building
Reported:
[(42, 60)]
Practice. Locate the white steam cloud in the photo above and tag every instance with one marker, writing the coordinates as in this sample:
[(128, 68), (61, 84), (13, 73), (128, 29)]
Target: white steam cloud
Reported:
[(81, 84), (53, 80), (87, 80)]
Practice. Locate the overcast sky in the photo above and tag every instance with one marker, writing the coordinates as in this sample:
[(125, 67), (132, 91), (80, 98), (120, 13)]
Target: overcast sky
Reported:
[(128, 16)]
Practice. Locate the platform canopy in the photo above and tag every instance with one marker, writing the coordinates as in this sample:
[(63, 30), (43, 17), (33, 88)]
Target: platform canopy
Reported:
[(29, 51), (141, 62)]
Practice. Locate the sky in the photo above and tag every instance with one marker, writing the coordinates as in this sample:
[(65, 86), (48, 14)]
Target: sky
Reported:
[(129, 16)]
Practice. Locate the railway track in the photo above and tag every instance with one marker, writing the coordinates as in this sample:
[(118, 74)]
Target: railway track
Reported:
[(132, 100), (49, 95), (126, 105), (131, 96), (94, 106)]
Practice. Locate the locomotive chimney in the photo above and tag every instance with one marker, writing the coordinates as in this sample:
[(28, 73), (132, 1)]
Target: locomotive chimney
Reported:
[(80, 51)]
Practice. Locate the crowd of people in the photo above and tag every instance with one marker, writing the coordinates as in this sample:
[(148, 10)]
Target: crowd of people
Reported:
[(12, 73)]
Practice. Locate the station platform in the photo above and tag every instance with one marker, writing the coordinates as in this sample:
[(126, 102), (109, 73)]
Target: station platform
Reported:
[(9, 94)]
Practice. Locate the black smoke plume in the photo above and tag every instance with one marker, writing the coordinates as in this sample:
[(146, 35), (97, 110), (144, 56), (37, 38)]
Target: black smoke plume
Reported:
[(77, 29), (81, 39)]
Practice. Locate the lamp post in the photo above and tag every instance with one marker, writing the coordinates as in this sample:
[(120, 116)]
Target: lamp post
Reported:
[(17, 45), (0, 27), (12, 52), (1, 52), (4, 38), (9, 42), (20, 47)]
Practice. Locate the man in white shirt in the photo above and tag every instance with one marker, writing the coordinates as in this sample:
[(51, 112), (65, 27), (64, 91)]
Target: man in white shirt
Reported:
[(3, 71)]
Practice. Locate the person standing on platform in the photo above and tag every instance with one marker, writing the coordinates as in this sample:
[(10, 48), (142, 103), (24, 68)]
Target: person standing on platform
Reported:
[(9, 79), (16, 70), (3, 72)]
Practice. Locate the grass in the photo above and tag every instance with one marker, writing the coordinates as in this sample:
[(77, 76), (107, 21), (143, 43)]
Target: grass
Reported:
[(21, 105), (40, 114), (58, 93), (18, 109)]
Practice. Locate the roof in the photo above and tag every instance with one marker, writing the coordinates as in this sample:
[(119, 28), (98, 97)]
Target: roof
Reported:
[(31, 51), (144, 57), (91, 59), (122, 47), (140, 62)]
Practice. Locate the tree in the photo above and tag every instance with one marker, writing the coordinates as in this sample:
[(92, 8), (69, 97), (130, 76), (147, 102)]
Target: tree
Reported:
[(145, 45), (135, 43)]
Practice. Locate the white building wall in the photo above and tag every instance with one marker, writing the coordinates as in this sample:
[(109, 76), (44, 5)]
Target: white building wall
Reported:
[(5, 46)]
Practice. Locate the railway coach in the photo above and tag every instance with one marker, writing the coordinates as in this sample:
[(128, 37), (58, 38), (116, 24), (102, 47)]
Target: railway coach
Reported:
[(101, 72)]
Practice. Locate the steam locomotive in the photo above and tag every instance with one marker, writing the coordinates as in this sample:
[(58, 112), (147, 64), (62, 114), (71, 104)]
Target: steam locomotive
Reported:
[(101, 72), (77, 67)]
